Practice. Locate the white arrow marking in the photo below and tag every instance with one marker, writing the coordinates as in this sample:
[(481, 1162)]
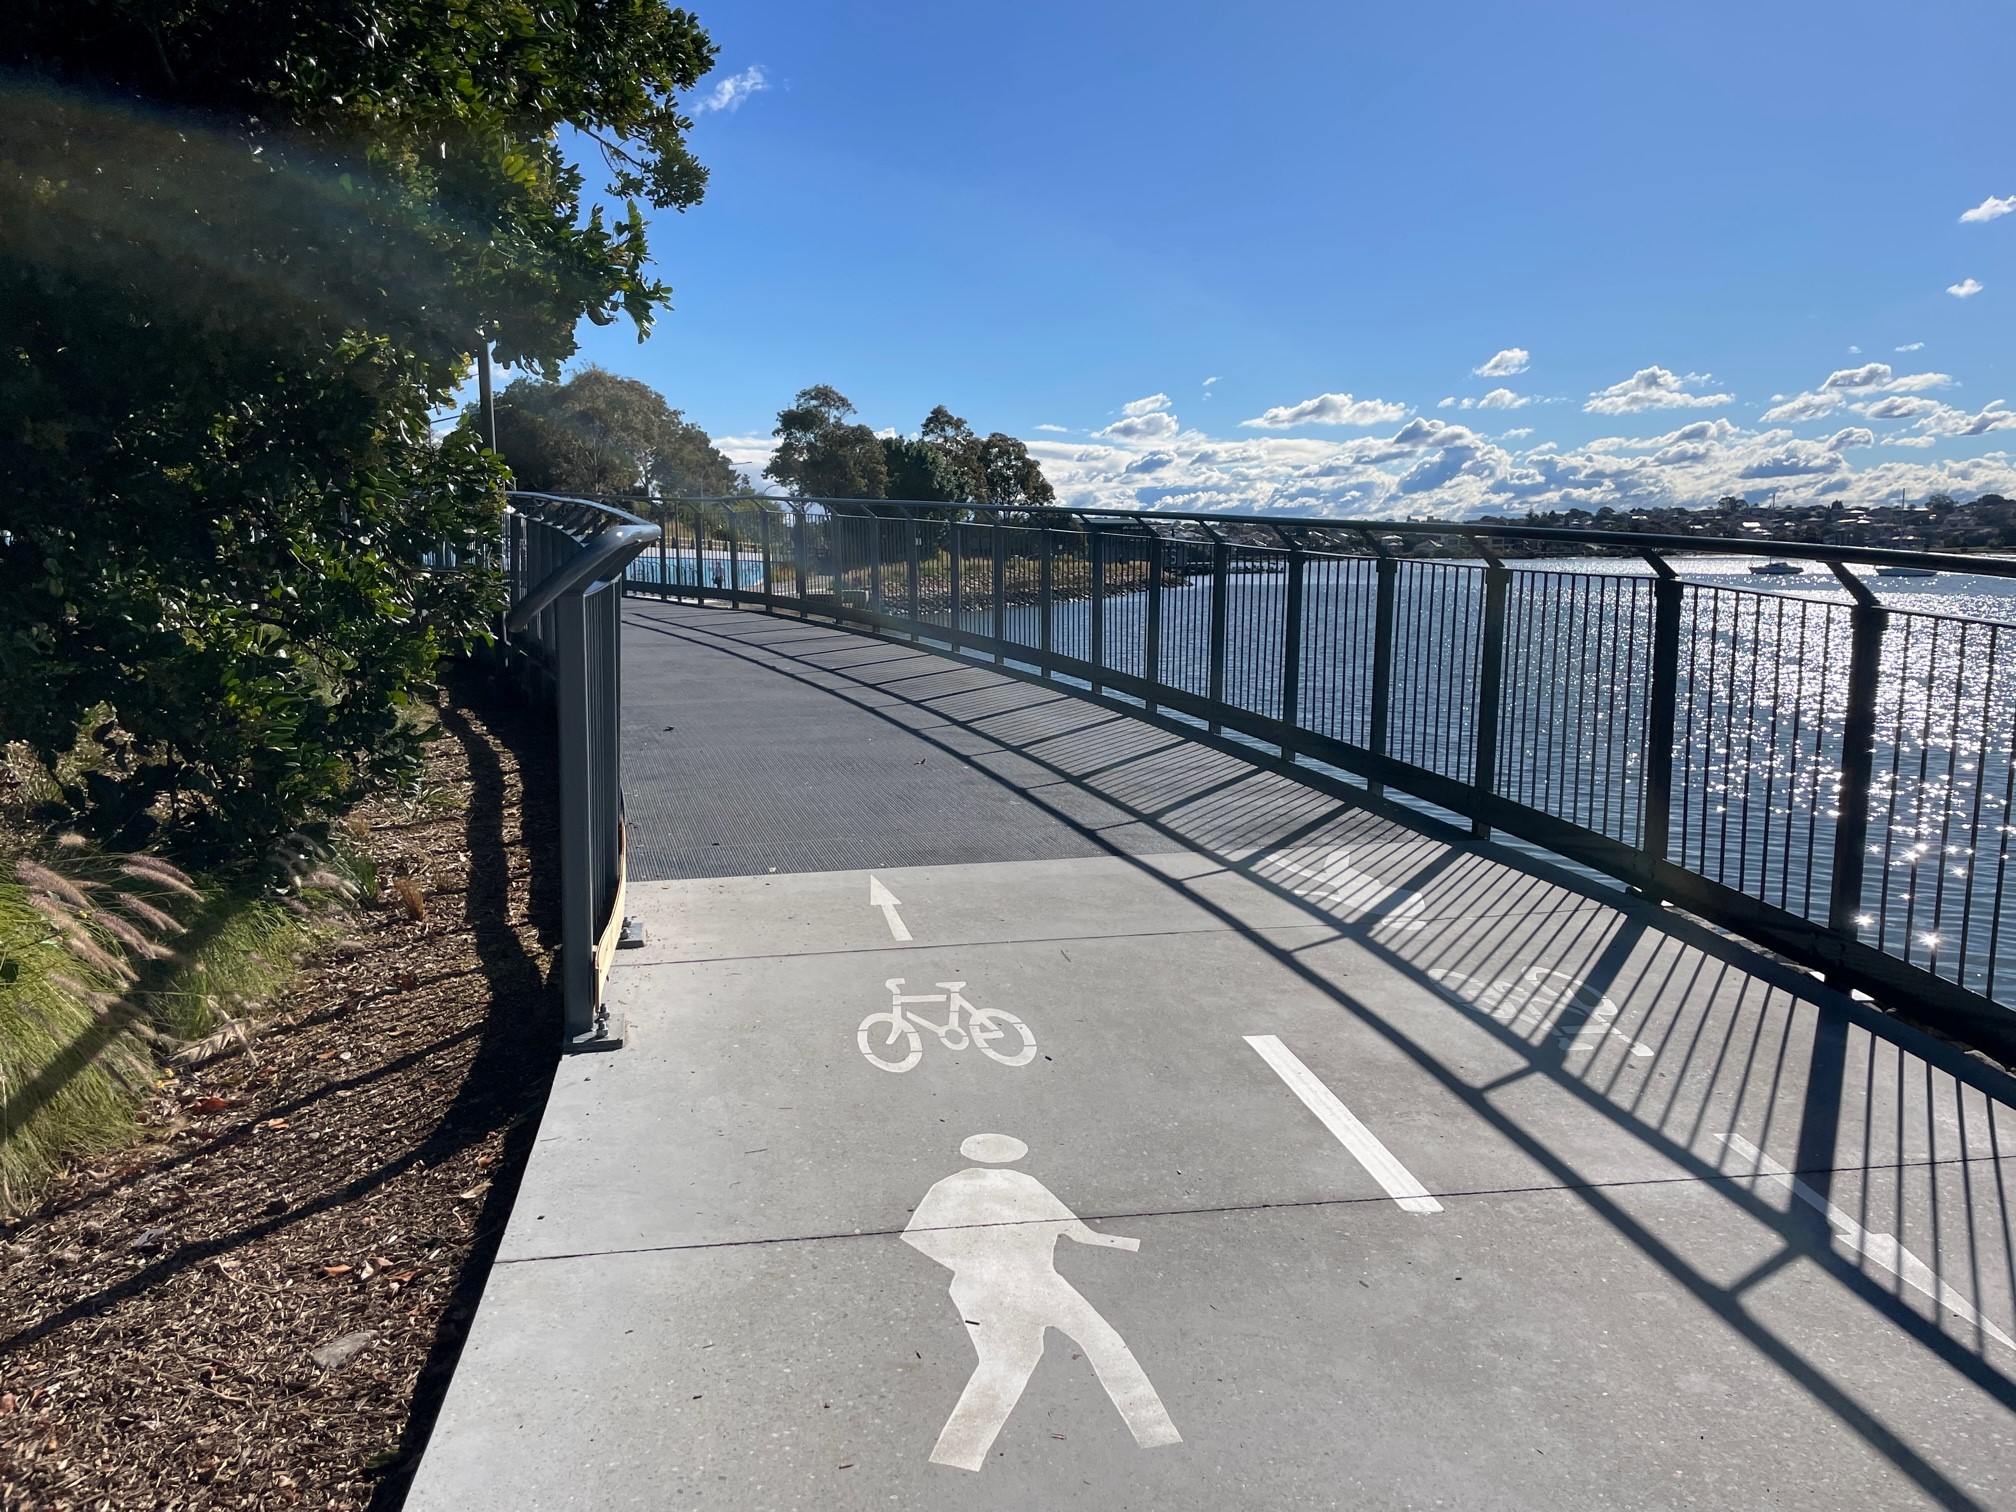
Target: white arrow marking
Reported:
[(1883, 1249), (1398, 1181), (880, 897)]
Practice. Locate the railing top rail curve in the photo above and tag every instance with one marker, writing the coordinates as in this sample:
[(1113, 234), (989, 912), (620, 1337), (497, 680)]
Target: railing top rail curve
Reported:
[(609, 538), (1622, 541)]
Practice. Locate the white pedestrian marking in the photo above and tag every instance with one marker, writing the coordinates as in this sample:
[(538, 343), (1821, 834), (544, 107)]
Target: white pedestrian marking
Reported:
[(880, 897), (997, 1232), (1336, 883), (1398, 1181), (1883, 1249), (1531, 1003), (983, 1027)]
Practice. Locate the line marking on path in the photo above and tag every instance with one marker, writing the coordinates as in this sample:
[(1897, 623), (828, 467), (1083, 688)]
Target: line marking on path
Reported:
[(880, 897), (1398, 1181), (1883, 1249)]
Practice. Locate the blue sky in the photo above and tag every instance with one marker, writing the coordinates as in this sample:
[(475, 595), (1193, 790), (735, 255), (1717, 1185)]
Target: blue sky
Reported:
[(1254, 256)]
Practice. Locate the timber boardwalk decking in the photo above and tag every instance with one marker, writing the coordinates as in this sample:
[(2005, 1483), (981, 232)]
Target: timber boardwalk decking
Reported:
[(1454, 1182)]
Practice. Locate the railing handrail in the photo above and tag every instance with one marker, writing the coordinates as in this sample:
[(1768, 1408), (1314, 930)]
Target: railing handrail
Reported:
[(618, 536), (1625, 542), (566, 625)]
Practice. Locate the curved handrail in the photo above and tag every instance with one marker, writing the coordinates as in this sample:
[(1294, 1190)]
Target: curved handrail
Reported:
[(1625, 541), (606, 550)]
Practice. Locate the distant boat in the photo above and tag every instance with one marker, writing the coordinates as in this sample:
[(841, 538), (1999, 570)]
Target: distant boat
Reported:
[(1905, 572), (1776, 569)]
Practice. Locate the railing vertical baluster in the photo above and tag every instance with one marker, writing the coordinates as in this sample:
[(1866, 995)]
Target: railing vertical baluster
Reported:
[(1490, 685), (1000, 542), (1045, 553), (1151, 648), (1661, 710), (1867, 621), (734, 557), (874, 569), (956, 558), (1386, 580), (1221, 574), (1291, 650), (798, 527), (1095, 559), (664, 555), (911, 550), (769, 583)]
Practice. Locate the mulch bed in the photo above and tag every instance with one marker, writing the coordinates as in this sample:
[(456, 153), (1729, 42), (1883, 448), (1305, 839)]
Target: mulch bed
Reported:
[(262, 1306)]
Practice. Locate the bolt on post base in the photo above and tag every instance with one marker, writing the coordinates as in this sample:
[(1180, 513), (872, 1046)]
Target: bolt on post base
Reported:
[(606, 1034)]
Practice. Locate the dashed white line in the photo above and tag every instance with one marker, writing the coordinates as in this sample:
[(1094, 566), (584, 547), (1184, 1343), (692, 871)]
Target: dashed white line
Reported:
[(1398, 1181)]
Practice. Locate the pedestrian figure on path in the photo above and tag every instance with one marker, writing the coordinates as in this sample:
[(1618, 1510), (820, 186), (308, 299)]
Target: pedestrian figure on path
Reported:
[(997, 1232)]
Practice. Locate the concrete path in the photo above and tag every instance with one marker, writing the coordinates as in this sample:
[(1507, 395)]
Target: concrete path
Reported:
[(1453, 1184)]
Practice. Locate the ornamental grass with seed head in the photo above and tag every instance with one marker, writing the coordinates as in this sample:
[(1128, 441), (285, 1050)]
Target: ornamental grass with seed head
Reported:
[(34, 874), (147, 913), (159, 872)]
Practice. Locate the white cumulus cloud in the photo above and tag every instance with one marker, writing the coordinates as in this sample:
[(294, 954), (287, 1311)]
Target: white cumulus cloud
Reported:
[(1211, 380), (1801, 407), (1967, 288), (1140, 425), (1989, 209), (1504, 398), (1505, 364), (1146, 406), (1912, 346), (1061, 430), (729, 93), (1853, 435), (1328, 409), (1649, 389)]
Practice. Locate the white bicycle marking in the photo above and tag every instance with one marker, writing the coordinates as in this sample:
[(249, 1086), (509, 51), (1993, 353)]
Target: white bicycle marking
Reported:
[(983, 1027), (1567, 1009)]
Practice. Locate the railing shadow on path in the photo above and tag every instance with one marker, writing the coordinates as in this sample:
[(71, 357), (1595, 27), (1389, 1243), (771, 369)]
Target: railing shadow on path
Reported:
[(1138, 784)]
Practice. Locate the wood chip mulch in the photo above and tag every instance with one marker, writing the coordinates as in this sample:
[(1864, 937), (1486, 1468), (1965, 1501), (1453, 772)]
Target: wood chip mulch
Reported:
[(262, 1306)]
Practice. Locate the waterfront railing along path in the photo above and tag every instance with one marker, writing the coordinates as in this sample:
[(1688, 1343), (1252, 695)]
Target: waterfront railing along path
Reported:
[(1828, 776)]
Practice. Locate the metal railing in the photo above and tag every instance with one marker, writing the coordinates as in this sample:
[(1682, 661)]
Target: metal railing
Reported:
[(1830, 778), (564, 564)]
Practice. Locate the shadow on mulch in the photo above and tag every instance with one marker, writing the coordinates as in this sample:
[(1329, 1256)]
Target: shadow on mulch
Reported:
[(263, 1307)]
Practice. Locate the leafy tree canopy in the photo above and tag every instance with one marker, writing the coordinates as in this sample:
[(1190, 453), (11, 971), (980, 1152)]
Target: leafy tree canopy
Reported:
[(820, 454), (599, 433), (245, 250)]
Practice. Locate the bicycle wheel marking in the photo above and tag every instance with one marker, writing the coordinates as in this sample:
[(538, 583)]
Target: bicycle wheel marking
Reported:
[(890, 1039)]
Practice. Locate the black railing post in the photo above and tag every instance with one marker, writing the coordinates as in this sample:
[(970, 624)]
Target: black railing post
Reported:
[(734, 558), (1046, 553), (912, 551), (1661, 712), (1151, 647), (956, 558), (1095, 561), (874, 569), (664, 569), (1385, 586), (1000, 541), (1490, 685), (798, 528), (1867, 622), (1221, 572), (1291, 650), (763, 534)]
